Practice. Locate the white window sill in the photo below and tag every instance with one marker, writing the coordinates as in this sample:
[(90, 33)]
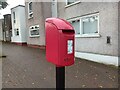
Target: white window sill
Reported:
[(88, 36), (30, 17), (77, 2), (35, 36)]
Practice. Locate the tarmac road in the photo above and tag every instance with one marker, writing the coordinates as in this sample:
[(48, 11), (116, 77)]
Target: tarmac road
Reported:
[(26, 67)]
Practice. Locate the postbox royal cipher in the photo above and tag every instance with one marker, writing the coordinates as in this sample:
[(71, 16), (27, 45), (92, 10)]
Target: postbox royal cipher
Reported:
[(59, 42)]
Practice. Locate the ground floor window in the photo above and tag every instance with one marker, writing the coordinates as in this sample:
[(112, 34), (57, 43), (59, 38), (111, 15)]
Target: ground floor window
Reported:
[(34, 31), (16, 32), (76, 25), (86, 25), (89, 24)]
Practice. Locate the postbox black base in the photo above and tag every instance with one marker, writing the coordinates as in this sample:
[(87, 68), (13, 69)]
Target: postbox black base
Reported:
[(60, 78)]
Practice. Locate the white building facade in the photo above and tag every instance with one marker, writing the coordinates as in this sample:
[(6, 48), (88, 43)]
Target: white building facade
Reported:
[(18, 24)]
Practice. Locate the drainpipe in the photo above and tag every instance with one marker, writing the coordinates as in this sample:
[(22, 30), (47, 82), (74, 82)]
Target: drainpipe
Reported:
[(54, 8)]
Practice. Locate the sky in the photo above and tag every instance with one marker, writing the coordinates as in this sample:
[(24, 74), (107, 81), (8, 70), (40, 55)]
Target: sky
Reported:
[(11, 4)]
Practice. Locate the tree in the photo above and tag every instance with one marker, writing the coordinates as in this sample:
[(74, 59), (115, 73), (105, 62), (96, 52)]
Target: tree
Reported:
[(3, 4)]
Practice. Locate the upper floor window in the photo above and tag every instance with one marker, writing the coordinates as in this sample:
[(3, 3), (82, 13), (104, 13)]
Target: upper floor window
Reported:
[(14, 17), (30, 9), (70, 1)]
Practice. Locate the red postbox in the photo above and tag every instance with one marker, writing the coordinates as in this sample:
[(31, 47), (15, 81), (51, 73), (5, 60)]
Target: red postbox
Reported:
[(59, 42)]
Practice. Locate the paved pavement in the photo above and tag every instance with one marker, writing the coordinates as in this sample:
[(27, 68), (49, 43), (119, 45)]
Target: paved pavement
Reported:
[(26, 67)]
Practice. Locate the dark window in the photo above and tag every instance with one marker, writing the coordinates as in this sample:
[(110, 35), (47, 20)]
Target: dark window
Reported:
[(14, 17), (30, 7)]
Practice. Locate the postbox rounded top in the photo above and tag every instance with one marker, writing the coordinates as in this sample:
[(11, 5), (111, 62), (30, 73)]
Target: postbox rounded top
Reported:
[(61, 24)]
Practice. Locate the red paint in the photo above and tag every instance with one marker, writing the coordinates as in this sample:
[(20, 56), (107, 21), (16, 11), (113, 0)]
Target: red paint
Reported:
[(58, 32)]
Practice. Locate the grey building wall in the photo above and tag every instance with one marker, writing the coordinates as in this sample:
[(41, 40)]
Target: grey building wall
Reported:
[(119, 31), (108, 26), (54, 8), (7, 27), (1, 29), (41, 11)]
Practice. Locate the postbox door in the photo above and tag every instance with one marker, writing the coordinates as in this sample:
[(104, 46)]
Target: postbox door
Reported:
[(66, 47)]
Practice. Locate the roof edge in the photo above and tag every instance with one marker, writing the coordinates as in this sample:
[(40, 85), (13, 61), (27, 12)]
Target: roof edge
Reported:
[(18, 6)]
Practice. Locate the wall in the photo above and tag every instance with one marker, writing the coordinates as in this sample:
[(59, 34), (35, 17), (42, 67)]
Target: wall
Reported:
[(23, 24), (7, 27), (108, 15), (119, 32), (41, 10), (1, 29), (15, 25), (20, 24)]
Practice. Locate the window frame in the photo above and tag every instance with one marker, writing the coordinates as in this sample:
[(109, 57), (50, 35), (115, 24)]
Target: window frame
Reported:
[(30, 14), (71, 4), (33, 30), (81, 27)]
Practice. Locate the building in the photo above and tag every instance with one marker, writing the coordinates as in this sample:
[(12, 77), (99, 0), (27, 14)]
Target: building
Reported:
[(1, 29), (36, 13), (7, 33), (96, 29), (18, 25)]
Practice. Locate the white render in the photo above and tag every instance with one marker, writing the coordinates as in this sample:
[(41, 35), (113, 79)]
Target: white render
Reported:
[(105, 59), (20, 24)]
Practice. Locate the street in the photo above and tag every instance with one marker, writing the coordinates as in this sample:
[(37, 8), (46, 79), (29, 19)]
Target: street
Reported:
[(26, 67)]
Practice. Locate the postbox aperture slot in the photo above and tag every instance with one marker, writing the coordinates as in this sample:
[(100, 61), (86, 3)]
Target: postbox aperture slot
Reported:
[(68, 31)]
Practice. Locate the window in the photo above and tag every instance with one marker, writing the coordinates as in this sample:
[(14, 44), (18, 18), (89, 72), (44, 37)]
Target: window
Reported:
[(16, 32), (76, 25), (14, 17), (70, 1), (34, 31), (30, 11), (89, 25), (86, 25)]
